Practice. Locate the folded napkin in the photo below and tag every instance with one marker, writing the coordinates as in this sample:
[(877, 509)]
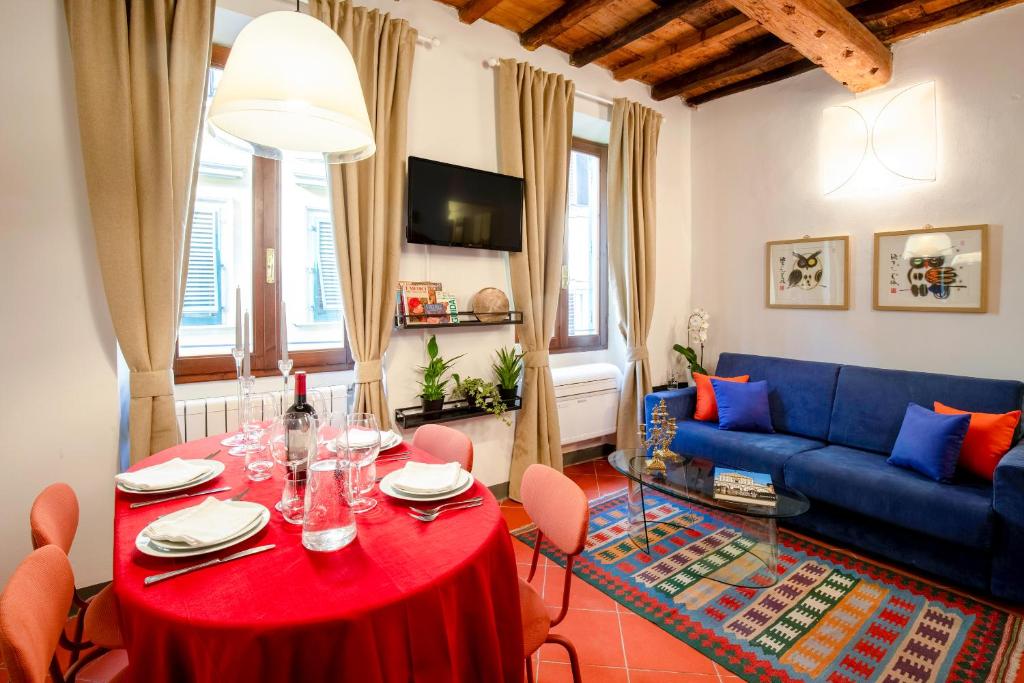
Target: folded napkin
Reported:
[(176, 472), (421, 478), (361, 437), (210, 522)]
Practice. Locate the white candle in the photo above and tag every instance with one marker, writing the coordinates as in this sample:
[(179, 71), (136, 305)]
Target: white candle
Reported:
[(245, 346), (284, 333), (238, 317)]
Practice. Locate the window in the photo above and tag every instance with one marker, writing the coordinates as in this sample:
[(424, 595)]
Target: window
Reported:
[(264, 226), (582, 322)]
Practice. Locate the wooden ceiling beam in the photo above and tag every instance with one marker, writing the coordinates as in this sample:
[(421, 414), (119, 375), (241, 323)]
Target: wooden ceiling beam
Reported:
[(474, 9), (649, 23), (773, 76), (745, 57), (558, 22), (947, 17), (688, 44), (827, 34)]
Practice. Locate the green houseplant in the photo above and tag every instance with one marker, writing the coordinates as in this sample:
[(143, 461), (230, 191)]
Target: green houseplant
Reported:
[(483, 395), (507, 370), (434, 384)]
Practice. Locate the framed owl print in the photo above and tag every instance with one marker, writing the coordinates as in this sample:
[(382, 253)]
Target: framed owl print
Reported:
[(932, 269), (813, 272)]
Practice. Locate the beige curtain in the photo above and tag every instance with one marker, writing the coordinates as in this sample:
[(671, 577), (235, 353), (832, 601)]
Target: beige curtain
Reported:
[(140, 81), (632, 156), (366, 197), (534, 139)]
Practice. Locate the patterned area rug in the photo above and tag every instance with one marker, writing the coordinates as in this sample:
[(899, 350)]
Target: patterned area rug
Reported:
[(831, 617)]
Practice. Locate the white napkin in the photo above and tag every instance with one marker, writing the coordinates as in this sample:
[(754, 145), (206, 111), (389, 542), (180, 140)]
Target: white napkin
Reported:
[(176, 472), (419, 477), (210, 522), (361, 437)]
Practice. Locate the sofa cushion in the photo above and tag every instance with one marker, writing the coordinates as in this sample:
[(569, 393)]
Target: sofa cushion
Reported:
[(865, 483), (801, 391), (870, 402), (743, 407), (930, 443), (742, 450)]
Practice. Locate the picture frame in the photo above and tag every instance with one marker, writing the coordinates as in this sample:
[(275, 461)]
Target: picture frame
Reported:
[(810, 272), (932, 269)]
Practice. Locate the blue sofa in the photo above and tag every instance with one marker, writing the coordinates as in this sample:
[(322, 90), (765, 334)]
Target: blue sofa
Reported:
[(835, 426)]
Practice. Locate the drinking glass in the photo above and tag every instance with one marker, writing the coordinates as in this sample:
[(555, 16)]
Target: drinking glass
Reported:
[(329, 426), (359, 445), (328, 523), (259, 462), (247, 411), (259, 411), (292, 443)]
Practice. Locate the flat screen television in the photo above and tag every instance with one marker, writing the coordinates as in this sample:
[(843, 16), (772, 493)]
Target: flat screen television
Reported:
[(455, 206)]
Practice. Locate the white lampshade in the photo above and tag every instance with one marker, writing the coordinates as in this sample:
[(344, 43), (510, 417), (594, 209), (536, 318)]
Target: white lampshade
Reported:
[(290, 85), (927, 244)]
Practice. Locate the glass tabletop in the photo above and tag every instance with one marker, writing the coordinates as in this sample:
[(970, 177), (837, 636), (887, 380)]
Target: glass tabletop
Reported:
[(693, 479)]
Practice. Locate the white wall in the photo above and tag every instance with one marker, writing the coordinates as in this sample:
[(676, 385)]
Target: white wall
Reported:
[(59, 403), (756, 178)]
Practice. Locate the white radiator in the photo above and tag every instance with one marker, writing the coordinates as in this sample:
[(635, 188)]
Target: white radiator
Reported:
[(202, 417), (588, 400)]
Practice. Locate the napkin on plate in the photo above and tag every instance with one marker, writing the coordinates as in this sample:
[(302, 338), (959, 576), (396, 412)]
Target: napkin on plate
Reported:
[(362, 437), (422, 478), (176, 472), (210, 522)]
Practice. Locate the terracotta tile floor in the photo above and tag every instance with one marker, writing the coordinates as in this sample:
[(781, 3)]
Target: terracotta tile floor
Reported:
[(615, 645)]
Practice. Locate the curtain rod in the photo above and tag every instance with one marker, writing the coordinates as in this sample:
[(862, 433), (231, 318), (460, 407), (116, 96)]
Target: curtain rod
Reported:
[(493, 63)]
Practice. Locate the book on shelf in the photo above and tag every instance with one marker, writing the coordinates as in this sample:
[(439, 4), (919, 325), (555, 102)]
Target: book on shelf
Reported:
[(451, 306), (415, 297), (741, 486)]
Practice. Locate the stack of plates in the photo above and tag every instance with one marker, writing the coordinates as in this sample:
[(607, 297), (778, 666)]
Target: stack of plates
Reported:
[(388, 440), (173, 475), (391, 485), (210, 526)]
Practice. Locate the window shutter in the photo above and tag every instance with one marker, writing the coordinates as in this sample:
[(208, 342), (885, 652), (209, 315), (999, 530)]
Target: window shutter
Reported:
[(202, 288), (327, 267)]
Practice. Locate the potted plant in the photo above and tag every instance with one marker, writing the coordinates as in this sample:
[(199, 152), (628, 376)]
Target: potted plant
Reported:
[(482, 395), (508, 369), (696, 330), (434, 384)]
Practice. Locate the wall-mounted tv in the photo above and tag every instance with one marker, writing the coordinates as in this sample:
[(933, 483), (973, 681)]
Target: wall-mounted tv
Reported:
[(455, 206)]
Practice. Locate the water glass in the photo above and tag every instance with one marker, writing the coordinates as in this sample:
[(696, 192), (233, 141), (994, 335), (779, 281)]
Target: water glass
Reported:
[(292, 443), (259, 463), (359, 444), (328, 523), (329, 426)]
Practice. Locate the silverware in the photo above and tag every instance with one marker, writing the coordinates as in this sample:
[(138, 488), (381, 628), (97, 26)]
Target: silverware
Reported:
[(392, 458), (211, 455), (144, 503), (429, 511), (391, 455), (240, 495), (431, 517), (150, 580)]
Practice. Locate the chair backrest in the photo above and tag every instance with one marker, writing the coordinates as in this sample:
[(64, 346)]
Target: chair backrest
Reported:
[(445, 443), (558, 506), (33, 609), (54, 517)]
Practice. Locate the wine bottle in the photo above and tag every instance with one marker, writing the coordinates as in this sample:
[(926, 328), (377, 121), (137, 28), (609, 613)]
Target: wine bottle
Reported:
[(298, 423)]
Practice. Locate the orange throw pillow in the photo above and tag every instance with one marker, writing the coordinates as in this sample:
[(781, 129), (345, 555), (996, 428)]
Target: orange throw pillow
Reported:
[(989, 437), (707, 406)]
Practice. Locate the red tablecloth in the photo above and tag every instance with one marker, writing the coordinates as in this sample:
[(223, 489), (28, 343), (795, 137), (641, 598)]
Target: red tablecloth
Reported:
[(406, 601)]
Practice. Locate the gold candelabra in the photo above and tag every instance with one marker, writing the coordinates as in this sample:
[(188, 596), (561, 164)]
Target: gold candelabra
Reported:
[(659, 437)]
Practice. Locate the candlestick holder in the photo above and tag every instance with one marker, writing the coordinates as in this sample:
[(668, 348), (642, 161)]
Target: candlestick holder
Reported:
[(659, 437), (237, 439), (246, 415), (285, 366)]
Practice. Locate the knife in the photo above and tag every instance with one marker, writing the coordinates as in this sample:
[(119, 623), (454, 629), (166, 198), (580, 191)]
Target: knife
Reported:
[(150, 580), (144, 503)]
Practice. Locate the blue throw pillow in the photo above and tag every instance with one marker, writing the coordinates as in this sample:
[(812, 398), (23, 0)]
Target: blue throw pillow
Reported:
[(929, 442), (743, 406)]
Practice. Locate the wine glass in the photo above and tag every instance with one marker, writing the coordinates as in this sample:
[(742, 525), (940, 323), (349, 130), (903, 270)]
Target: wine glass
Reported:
[(292, 440), (360, 444), (258, 411), (329, 426)]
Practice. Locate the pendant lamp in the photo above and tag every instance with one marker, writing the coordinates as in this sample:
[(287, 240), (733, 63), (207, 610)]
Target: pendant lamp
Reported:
[(290, 85)]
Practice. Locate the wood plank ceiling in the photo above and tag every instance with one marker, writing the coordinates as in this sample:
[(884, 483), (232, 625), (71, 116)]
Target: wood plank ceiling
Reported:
[(700, 50)]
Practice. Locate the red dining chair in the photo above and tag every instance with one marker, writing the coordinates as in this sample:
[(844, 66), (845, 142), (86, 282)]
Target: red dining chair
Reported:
[(33, 609), (445, 443), (561, 513), (54, 520)]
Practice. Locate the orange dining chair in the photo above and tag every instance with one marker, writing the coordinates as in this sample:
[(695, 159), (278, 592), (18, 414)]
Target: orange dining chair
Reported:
[(33, 609), (559, 509), (54, 520), (445, 443)]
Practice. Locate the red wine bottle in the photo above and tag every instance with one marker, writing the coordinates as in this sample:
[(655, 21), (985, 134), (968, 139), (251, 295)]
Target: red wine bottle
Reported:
[(299, 438)]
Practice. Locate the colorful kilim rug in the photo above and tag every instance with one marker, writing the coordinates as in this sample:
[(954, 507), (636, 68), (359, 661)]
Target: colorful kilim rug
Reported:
[(831, 617)]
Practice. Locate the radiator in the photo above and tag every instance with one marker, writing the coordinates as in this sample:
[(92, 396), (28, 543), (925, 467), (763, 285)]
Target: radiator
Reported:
[(588, 400), (202, 417)]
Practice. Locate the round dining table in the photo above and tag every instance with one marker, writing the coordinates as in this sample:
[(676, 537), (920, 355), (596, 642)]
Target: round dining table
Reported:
[(405, 601)]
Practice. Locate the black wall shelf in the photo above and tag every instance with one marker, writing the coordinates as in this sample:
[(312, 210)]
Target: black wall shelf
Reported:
[(466, 319), (407, 418)]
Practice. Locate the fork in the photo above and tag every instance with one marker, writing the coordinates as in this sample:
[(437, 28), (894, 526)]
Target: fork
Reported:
[(240, 495), (211, 455), (431, 517), (430, 511)]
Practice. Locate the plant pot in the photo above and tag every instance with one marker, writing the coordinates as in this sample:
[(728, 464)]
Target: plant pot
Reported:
[(432, 405), (472, 402), (508, 396)]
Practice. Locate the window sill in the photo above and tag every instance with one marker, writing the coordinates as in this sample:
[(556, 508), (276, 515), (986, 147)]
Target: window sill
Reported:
[(579, 349), (221, 376)]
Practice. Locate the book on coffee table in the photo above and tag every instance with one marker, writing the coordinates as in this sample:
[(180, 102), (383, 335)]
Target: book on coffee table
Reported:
[(741, 486)]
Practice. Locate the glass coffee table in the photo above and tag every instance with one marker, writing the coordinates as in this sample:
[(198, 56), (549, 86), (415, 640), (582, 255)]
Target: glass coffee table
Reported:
[(749, 539)]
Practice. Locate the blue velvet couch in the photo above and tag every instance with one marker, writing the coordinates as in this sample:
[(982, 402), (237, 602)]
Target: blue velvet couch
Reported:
[(835, 426)]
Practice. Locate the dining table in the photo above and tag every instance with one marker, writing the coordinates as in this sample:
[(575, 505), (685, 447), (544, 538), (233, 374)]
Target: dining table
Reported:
[(405, 601)]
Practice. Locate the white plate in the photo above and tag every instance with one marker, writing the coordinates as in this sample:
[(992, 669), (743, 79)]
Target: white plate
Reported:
[(143, 544), (385, 445), (465, 482), (179, 546), (216, 467)]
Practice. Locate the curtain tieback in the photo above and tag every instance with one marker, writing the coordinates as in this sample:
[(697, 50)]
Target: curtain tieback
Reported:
[(369, 371), (637, 353), (536, 359), (151, 383)]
